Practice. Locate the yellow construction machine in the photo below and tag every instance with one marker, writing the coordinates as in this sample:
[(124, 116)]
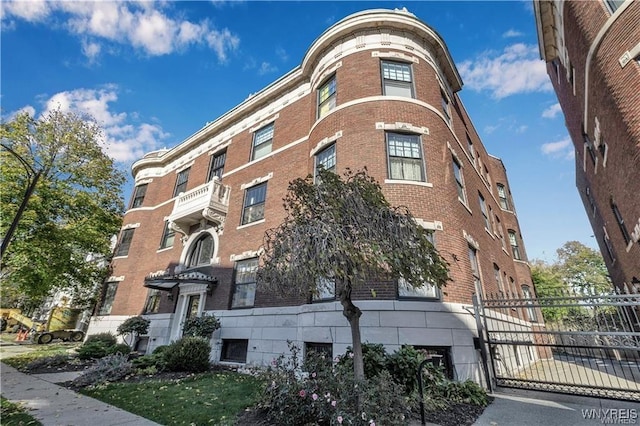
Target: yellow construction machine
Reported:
[(59, 325)]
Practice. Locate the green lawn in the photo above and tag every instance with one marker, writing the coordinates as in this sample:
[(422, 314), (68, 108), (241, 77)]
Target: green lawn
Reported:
[(40, 351), (14, 415), (205, 399)]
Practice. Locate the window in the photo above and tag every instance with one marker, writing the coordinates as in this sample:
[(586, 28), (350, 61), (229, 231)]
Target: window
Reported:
[(620, 220), (181, 182), (588, 146), (234, 350), (327, 97), (326, 289), (604, 150), (607, 244), (168, 235), (109, 296), (319, 348), (396, 79), (457, 173), (592, 202), (426, 291), (500, 233), (405, 157), (244, 292), (472, 151), (153, 302), (125, 242), (193, 306), (513, 240), (202, 251), (254, 203), (475, 270), (138, 196), (614, 4), (327, 158), (216, 168), (446, 108), (531, 312), (483, 209), (502, 196), (498, 277), (262, 141)]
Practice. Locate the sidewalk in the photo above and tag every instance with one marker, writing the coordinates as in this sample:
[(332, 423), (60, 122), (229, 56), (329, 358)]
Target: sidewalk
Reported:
[(55, 405), (529, 408)]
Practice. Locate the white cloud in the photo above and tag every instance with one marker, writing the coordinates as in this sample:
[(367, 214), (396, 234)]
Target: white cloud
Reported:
[(552, 111), (30, 11), (124, 139), (517, 69), (512, 33), (282, 54), (266, 68), (91, 50), (559, 149), (490, 129), (145, 26)]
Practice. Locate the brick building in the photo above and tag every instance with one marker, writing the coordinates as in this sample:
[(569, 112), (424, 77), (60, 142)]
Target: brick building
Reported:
[(378, 89), (592, 50)]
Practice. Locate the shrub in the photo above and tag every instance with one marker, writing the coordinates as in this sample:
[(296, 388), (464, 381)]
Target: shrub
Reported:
[(374, 356), (403, 365), (110, 368), (155, 360), (203, 326), (52, 361), (109, 339), (328, 391), (134, 326), (120, 348), (94, 349), (188, 354)]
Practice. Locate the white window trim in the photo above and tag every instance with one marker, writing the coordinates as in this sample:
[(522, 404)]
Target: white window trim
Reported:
[(113, 278), (319, 79), (405, 127), (249, 254), (260, 125), (395, 55), (130, 226), (325, 142), (470, 240), (256, 181), (188, 245), (184, 167), (255, 222), (408, 182), (436, 225), (220, 148)]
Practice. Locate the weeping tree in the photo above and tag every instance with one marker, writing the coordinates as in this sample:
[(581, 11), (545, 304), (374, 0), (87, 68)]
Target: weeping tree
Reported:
[(343, 230)]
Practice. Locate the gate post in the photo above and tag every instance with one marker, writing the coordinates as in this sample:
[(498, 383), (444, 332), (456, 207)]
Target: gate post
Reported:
[(477, 310)]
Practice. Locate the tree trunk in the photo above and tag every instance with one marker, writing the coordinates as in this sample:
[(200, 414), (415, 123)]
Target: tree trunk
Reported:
[(353, 313)]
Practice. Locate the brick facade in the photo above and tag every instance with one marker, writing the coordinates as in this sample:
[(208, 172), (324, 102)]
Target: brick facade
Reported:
[(585, 45), (351, 52)]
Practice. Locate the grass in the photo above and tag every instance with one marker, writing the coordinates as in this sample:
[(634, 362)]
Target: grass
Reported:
[(204, 399), (40, 351), (14, 415)]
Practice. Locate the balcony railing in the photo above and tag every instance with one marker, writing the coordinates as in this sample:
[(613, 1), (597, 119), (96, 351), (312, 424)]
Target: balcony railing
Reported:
[(209, 201)]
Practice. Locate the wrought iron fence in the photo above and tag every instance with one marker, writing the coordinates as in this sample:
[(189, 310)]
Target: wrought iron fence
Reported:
[(571, 343)]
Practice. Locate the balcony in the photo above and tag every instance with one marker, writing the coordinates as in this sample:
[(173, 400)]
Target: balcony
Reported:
[(205, 202)]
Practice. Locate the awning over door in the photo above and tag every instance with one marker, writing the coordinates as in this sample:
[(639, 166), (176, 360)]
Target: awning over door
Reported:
[(166, 281)]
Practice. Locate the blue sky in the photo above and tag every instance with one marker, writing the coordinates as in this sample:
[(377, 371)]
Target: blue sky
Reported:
[(154, 73)]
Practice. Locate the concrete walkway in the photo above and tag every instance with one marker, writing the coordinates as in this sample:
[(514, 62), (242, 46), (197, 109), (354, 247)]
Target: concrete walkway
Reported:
[(514, 407), (55, 405)]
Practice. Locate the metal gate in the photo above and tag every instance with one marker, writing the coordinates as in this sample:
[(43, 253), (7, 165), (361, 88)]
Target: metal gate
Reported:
[(578, 344)]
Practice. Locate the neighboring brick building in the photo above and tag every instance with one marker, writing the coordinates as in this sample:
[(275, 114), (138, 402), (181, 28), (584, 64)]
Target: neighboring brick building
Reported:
[(592, 50), (377, 89)]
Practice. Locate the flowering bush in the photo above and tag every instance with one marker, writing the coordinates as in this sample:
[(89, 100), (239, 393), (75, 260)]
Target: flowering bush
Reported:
[(327, 394), (202, 326)]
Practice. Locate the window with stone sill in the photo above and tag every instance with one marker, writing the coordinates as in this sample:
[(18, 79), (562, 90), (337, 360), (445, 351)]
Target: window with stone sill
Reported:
[(153, 302), (327, 97), (244, 292), (326, 159), (168, 236), (325, 290), (124, 243), (515, 249), (502, 196), (262, 142), (457, 174), (397, 79), (216, 167), (404, 153), (483, 209), (181, 182), (109, 295), (138, 196), (254, 200)]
